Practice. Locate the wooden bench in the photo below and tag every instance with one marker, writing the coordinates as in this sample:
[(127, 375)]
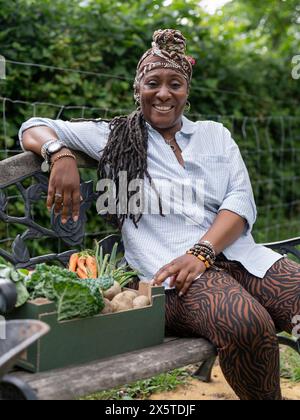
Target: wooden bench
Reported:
[(76, 381), (81, 380)]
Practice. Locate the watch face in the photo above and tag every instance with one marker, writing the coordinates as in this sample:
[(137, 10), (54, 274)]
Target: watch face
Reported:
[(54, 147)]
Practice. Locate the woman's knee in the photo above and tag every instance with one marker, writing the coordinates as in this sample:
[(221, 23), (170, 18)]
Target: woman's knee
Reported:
[(218, 308), (246, 324), (257, 327), (280, 293)]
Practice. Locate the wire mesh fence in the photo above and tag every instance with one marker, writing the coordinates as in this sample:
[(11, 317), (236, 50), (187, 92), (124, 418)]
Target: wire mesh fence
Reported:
[(270, 147)]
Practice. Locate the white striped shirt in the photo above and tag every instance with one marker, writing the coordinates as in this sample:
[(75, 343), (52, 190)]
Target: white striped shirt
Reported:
[(212, 160)]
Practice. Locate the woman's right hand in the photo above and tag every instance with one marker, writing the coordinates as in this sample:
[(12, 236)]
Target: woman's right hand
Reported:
[(64, 189)]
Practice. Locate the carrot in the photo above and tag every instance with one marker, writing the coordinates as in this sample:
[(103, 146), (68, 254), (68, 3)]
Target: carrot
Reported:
[(73, 262), (81, 274), (91, 266), (81, 264)]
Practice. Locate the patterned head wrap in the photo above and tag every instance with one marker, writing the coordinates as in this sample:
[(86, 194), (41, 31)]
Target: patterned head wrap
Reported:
[(169, 45)]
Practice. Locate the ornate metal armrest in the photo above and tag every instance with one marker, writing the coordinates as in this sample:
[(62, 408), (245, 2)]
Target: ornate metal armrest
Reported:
[(286, 247), (13, 172)]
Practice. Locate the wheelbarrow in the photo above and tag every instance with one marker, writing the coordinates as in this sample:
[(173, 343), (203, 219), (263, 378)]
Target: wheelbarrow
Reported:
[(15, 337)]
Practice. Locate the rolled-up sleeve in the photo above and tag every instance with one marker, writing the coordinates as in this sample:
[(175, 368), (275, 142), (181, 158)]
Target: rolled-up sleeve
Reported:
[(239, 196), (87, 136)]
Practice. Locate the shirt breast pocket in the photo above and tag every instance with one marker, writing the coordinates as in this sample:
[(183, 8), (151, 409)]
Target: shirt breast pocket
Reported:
[(214, 170)]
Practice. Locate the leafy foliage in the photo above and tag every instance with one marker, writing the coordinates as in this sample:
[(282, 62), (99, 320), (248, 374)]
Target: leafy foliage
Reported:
[(7, 272), (247, 49), (73, 297), (289, 366), (144, 389)]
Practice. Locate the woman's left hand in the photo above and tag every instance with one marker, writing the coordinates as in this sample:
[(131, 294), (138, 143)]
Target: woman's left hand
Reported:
[(182, 271)]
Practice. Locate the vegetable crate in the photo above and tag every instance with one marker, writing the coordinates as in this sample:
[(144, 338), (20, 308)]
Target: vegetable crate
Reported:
[(84, 340)]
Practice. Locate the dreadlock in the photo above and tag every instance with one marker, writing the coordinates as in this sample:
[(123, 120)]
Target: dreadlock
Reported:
[(126, 150)]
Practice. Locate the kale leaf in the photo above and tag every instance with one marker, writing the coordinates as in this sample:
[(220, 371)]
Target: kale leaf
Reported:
[(73, 297)]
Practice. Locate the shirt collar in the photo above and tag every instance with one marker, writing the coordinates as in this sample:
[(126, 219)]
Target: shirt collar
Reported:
[(188, 127)]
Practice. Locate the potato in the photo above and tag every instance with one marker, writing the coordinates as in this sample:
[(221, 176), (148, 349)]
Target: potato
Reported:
[(132, 294), (141, 301), (114, 290), (108, 308), (41, 301), (121, 302)]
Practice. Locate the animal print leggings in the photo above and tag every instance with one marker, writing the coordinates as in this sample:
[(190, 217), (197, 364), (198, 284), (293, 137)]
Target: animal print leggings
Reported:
[(240, 313)]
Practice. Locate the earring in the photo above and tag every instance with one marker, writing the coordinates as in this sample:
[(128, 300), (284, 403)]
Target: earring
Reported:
[(187, 107)]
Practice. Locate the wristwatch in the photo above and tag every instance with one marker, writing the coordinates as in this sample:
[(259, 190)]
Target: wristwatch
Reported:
[(48, 149)]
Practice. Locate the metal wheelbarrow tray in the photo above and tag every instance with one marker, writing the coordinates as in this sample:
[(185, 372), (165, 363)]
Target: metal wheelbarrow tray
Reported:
[(19, 335)]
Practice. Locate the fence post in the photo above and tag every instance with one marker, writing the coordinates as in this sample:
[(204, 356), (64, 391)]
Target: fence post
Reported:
[(296, 68), (2, 328), (2, 67)]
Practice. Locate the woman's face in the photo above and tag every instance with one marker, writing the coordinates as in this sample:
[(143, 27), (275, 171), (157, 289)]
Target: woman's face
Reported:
[(163, 95)]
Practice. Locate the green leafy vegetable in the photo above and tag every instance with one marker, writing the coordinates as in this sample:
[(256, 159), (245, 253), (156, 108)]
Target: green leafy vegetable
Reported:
[(108, 270), (74, 297), (78, 298), (22, 294), (105, 282), (8, 272), (41, 281)]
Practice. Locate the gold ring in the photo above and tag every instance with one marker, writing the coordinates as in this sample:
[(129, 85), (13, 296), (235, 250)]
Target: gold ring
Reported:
[(58, 195)]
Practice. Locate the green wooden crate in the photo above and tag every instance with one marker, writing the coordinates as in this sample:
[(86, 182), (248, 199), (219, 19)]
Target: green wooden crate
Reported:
[(84, 340)]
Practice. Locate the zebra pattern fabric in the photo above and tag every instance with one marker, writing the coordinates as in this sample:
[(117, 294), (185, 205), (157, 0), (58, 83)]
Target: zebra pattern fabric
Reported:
[(240, 313)]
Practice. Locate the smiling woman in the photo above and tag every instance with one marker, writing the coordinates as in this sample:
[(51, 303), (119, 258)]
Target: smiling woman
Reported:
[(225, 287), (163, 95)]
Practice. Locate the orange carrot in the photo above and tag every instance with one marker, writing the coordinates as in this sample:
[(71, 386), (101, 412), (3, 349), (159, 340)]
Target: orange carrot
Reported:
[(81, 274), (91, 266), (81, 264), (73, 262)]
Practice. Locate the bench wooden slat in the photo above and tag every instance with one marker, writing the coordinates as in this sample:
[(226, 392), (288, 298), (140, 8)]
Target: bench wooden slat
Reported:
[(26, 164), (81, 380)]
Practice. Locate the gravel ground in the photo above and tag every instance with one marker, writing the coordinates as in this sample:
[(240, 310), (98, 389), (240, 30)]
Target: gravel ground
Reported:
[(218, 389)]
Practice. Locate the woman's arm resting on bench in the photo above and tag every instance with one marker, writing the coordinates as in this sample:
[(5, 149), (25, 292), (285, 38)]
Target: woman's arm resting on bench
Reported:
[(64, 178)]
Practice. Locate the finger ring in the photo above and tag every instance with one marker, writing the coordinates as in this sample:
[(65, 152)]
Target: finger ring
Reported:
[(58, 195), (197, 278)]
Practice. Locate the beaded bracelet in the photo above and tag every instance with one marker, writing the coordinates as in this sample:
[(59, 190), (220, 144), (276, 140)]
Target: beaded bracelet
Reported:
[(207, 261), (207, 264), (205, 252), (207, 245), (64, 155), (204, 248)]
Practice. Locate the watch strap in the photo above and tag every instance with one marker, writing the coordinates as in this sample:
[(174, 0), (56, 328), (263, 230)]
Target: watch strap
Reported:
[(49, 154), (45, 147)]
